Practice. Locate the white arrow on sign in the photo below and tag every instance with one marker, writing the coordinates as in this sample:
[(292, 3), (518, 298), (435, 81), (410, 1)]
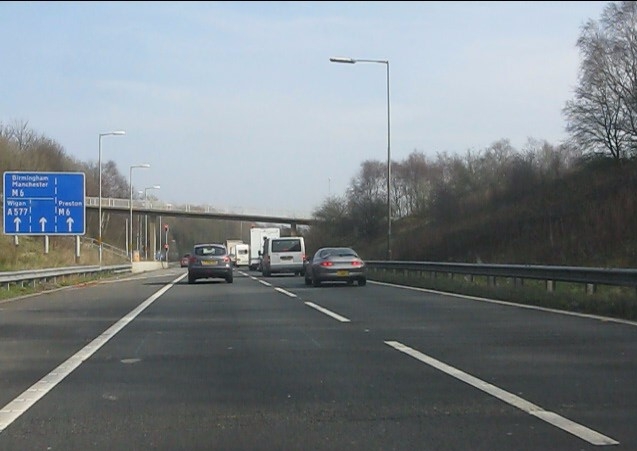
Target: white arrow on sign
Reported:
[(17, 222), (43, 222), (70, 223)]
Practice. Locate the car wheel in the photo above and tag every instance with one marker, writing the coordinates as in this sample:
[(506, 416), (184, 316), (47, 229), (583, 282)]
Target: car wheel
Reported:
[(308, 281), (316, 282), (229, 279), (191, 279), (362, 282)]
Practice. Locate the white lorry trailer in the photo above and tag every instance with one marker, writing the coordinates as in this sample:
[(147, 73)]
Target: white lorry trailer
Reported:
[(241, 253), (230, 246), (257, 234)]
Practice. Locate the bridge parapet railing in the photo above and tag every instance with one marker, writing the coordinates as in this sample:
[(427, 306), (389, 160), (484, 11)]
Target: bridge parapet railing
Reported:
[(190, 208)]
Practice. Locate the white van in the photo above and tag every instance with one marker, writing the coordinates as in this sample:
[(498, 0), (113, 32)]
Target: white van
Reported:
[(242, 254), (285, 254)]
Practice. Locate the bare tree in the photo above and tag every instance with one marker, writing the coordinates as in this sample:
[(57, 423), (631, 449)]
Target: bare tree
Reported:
[(8, 154), (335, 225), (412, 181), (20, 134), (603, 115)]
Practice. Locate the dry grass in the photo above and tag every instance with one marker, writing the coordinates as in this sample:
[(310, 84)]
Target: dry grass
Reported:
[(29, 253)]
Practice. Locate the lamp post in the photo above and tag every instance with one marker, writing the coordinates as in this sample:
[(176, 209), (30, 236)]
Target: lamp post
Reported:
[(386, 63), (130, 179), (146, 219), (99, 164)]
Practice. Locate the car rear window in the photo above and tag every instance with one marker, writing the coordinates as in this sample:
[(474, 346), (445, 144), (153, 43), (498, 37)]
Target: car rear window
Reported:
[(339, 252), (210, 250), (286, 245), (344, 252)]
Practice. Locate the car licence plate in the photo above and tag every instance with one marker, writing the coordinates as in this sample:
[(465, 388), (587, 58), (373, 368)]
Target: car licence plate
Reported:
[(209, 262), (342, 272)]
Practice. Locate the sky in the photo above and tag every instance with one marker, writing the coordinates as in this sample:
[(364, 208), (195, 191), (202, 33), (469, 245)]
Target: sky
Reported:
[(236, 105)]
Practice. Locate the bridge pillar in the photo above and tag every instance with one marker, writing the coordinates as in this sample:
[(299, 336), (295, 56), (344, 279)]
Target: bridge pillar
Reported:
[(293, 231), (152, 231)]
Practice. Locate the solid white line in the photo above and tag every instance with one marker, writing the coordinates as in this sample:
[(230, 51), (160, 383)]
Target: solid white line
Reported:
[(336, 316), (565, 424), (512, 304), (285, 292), (15, 408)]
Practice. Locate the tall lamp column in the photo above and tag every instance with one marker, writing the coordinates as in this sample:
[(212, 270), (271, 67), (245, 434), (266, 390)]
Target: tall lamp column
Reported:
[(130, 179), (386, 63), (146, 219), (99, 170)]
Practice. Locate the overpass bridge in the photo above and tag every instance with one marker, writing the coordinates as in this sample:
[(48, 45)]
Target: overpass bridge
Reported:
[(154, 210), (157, 208)]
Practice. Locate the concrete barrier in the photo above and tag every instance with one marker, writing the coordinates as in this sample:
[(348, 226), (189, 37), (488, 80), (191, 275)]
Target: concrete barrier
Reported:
[(146, 266)]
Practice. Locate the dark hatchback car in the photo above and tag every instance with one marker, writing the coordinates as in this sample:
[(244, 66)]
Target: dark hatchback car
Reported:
[(335, 264), (209, 261)]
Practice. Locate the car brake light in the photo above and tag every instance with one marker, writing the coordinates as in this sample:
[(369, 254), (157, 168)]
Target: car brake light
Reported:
[(327, 264), (357, 263), (193, 259), (226, 259)]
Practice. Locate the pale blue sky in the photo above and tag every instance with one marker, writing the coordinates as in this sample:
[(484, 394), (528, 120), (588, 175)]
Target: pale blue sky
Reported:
[(243, 94)]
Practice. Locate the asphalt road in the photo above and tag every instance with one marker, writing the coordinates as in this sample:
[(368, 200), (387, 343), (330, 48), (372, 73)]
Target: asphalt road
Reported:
[(152, 363)]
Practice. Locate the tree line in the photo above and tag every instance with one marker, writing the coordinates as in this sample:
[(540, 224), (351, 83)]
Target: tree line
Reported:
[(566, 203), (24, 149)]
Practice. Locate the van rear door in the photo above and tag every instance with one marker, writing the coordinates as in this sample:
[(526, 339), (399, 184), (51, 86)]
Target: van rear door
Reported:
[(287, 254)]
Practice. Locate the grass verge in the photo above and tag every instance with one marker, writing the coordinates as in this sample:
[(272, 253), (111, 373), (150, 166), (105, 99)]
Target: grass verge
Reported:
[(16, 290), (611, 301)]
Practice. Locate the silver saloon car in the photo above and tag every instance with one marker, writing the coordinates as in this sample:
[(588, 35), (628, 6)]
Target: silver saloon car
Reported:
[(209, 261), (335, 264)]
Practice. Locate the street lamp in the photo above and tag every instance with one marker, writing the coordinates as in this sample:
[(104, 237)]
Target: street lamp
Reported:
[(130, 178), (386, 63), (146, 220), (99, 164)]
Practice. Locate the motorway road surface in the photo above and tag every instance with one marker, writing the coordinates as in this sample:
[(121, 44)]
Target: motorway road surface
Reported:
[(149, 362)]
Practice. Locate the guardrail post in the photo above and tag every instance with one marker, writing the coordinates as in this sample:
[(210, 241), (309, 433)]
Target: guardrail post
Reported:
[(591, 288), (550, 286), (77, 248)]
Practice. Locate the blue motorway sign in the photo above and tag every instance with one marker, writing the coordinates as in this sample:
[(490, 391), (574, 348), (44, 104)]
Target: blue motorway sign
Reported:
[(44, 203)]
